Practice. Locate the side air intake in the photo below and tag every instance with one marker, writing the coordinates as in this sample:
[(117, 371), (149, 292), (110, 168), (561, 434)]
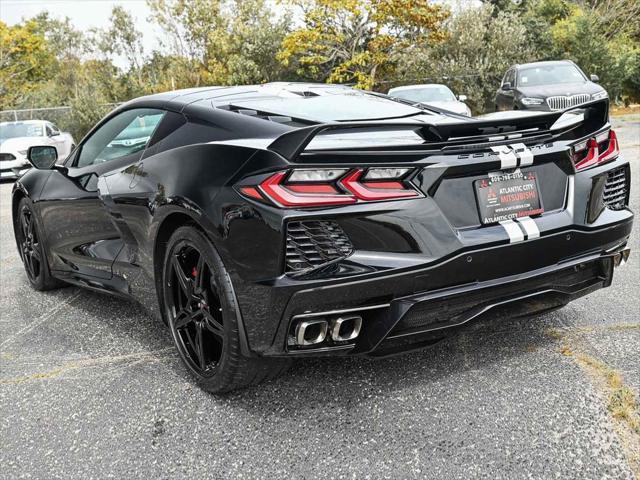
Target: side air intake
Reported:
[(312, 244)]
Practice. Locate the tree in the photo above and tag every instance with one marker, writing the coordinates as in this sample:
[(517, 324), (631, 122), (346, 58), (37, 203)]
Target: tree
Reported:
[(358, 40), (221, 42), (600, 36), (481, 46), (24, 61)]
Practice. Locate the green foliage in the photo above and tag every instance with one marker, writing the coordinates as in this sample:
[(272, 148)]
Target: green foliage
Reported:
[(374, 44), (602, 37), (25, 59), (358, 41), (482, 45)]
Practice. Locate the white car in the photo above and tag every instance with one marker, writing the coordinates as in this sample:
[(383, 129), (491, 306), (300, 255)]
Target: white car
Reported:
[(17, 137), (433, 94)]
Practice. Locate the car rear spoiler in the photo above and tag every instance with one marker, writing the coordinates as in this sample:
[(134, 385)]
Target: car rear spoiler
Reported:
[(595, 114)]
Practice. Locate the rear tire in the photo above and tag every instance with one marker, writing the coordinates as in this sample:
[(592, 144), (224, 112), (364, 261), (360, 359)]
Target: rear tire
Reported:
[(29, 241), (201, 311)]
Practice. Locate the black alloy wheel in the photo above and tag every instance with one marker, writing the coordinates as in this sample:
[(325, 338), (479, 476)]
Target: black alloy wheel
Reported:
[(31, 247), (194, 309), (200, 307), (29, 244)]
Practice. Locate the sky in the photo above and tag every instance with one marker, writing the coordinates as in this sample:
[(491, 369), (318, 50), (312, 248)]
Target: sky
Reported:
[(84, 14)]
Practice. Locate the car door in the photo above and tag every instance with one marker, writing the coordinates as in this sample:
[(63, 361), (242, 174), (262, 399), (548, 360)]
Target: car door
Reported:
[(504, 98), (81, 237)]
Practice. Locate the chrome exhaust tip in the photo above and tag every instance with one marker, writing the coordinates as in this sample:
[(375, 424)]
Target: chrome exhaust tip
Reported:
[(621, 258), (344, 329), (311, 332)]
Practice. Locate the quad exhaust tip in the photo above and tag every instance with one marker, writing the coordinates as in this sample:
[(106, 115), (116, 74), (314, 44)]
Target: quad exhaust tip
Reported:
[(311, 332), (621, 257), (344, 329), (339, 329)]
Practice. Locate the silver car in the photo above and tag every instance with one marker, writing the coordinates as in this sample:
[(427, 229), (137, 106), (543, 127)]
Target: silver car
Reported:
[(433, 94)]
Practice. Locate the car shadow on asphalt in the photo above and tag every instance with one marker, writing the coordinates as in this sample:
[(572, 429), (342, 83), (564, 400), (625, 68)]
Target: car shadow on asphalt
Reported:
[(344, 381)]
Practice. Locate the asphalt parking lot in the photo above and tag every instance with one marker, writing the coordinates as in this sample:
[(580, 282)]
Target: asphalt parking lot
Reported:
[(90, 387)]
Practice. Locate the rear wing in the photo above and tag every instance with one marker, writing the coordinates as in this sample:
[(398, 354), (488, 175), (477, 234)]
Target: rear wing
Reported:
[(592, 116)]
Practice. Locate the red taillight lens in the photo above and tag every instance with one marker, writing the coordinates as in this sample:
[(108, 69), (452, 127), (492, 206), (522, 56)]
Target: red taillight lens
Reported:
[(593, 156), (612, 151), (274, 188), (375, 191), (332, 187)]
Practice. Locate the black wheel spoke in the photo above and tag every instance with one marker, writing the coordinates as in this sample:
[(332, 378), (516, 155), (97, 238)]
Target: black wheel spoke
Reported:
[(183, 280), (199, 274), (212, 324), (24, 225), (200, 344), (28, 263), (183, 318), (35, 252)]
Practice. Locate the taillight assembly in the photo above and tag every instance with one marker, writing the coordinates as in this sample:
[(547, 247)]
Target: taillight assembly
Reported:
[(596, 150), (332, 187)]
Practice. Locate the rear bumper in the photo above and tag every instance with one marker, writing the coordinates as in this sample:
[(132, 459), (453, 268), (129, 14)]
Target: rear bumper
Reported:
[(415, 307)]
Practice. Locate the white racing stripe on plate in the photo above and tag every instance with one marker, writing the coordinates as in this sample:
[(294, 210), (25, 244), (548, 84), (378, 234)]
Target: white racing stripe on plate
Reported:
[(513, 230), (507, 157), (529, 226), (525, 156)]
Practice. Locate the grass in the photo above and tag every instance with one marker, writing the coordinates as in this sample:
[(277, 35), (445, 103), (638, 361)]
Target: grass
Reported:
[(621, 400)]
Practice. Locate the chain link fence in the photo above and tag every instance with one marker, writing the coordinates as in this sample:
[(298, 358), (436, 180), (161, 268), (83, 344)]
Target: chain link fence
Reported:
[(68, 119)]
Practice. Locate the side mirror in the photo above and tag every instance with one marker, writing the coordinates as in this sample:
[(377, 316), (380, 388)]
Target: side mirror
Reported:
[(506, 86), (462, 98), (42, 157), (595, 78)]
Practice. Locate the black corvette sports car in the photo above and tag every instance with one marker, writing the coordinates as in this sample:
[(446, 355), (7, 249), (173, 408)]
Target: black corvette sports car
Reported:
[(265, 223)]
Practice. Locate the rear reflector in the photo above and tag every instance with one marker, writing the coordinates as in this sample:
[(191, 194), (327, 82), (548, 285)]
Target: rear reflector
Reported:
[(251, 192)]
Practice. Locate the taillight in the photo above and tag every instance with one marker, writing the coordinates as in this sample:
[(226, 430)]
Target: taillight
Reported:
[(332, 187), (372, 191), (592, 152)]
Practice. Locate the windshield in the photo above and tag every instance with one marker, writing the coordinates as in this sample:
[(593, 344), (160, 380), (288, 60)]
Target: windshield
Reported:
[(426, 95), (549, 75), (13, 130)]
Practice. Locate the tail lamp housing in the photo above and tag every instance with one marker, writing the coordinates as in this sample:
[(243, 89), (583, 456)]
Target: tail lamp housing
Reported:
[(323, 187), (596, 150)]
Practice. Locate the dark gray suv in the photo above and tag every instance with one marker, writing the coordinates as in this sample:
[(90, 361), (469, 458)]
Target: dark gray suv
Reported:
[(546, 86)]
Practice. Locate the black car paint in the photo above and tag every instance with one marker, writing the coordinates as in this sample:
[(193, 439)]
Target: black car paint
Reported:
[(112, 240)]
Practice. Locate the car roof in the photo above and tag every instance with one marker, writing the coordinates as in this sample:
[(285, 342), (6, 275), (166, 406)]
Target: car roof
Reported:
[(287, 103), (422, 85), (23, 122), (545, 63), (282, 89)]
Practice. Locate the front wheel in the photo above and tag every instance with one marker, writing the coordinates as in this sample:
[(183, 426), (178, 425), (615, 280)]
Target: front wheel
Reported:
[(31, 248), (200, 309)]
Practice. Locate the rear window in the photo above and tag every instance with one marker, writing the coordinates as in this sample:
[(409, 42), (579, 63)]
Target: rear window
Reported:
[(352, 105)]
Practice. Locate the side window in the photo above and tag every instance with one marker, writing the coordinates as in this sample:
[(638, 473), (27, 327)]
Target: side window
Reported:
[(49, 131), (126, 134), (511, 77), (54, 129)]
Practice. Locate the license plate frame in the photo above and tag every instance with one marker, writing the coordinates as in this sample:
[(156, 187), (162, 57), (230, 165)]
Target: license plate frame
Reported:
[(504, 196)]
